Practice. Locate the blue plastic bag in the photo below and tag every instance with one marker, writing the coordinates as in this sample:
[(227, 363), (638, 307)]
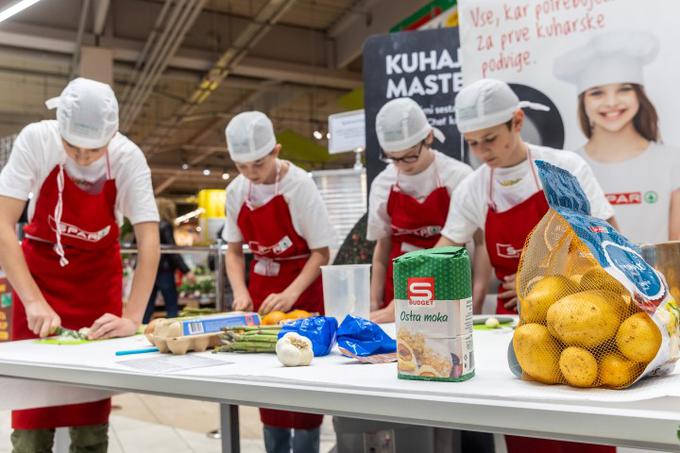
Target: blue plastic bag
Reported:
[(364, 338), (321, 330)]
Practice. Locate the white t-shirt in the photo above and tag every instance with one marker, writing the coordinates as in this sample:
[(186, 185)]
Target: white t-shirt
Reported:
[(450, 171), (512, 186), (310, 218), (640, 190), (38, 149)]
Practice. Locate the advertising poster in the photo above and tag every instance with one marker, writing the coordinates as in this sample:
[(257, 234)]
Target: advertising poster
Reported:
[(608, 69)]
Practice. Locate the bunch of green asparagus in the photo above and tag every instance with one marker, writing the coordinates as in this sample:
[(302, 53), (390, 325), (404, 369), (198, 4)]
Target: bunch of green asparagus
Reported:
[(249, 339), (193, 311)]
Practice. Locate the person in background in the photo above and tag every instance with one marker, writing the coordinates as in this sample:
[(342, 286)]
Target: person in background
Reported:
[(84, 176), (168, 265), (410, 198), (504, 198), (639, 174), (275, 208)]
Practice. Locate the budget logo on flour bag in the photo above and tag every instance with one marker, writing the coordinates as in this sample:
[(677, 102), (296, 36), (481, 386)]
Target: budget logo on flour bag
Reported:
[(433, 307), (421, 289)]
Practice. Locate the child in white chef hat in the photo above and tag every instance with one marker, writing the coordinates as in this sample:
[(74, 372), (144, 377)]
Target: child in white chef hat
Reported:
[(638, 173)]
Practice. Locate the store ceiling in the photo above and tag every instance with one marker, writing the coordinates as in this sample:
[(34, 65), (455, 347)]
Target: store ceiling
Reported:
[(205, 61)]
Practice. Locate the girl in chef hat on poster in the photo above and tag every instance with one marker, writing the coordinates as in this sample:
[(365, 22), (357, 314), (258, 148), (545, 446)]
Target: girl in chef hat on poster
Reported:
[(275, 208), (639, 174), (504, 199), (84, 177), (410, 198)]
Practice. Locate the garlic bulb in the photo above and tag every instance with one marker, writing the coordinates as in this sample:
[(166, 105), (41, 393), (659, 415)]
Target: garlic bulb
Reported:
[(293, 349), (492, 323)]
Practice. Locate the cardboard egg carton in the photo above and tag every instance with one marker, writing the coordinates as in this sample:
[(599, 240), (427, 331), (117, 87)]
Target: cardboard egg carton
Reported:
[(181, 335)]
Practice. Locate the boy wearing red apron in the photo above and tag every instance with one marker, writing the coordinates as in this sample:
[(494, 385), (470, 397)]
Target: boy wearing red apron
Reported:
[(276, 209), (504, 199), (410, 198), (83, 176)]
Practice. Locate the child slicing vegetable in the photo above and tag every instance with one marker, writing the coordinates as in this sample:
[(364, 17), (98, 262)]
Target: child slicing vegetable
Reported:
[(84, 176)]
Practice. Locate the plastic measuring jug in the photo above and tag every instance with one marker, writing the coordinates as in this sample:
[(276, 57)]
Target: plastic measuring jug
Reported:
[(347, 290)]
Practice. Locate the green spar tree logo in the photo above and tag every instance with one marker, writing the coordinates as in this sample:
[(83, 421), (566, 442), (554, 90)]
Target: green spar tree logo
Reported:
[(651, 197)]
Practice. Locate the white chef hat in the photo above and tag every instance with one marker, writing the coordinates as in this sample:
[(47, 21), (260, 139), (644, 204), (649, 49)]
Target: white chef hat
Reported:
[(487, 103), (401, 124), (612, 57), (87, 113), (250, 136)]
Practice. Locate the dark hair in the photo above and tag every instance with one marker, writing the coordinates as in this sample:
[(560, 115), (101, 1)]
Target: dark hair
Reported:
[(509, 123), (646, 120)]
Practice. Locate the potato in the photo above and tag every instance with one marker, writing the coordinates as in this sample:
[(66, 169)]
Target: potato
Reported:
[(545, 292), (537, 353), (578, 263), (586, 319), (617, 371), (598, 278), (576, 278), (578, 366), (638, 338)]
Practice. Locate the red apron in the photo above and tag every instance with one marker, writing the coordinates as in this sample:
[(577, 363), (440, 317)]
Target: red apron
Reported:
[(415, 225), (505, 233), (78, 271), (280, 254)]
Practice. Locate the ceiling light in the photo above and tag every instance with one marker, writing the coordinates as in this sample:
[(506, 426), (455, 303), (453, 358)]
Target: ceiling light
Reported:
[(225, 176), (16, 8), (317, 134), (328, 135), (206, 172), (185, 166)]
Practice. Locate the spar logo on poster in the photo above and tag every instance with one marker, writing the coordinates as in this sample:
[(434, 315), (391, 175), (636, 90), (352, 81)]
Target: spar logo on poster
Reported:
[(420, 290), (624, 198)]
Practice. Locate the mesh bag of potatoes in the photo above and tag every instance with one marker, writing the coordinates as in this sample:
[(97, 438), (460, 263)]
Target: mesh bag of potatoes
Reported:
[(593, 312)]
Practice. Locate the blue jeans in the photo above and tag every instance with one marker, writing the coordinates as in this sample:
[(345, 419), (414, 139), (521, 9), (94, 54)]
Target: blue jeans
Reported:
[(165, 283), (282, 440)]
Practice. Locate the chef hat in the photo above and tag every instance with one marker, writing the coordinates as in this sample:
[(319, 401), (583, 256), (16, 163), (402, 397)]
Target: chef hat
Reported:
[(612, 57), (250, 136), (401, 124), (487, 103), (87, 113)]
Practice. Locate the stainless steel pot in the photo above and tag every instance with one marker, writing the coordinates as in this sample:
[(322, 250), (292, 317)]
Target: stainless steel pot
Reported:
[(665, 257)]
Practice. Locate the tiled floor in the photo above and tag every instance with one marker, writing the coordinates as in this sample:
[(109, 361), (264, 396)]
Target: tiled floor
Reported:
[(154, 424)]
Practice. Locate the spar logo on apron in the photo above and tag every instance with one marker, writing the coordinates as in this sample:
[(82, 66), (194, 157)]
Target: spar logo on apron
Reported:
[(508, 251), (277, 249), (73, 231)]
